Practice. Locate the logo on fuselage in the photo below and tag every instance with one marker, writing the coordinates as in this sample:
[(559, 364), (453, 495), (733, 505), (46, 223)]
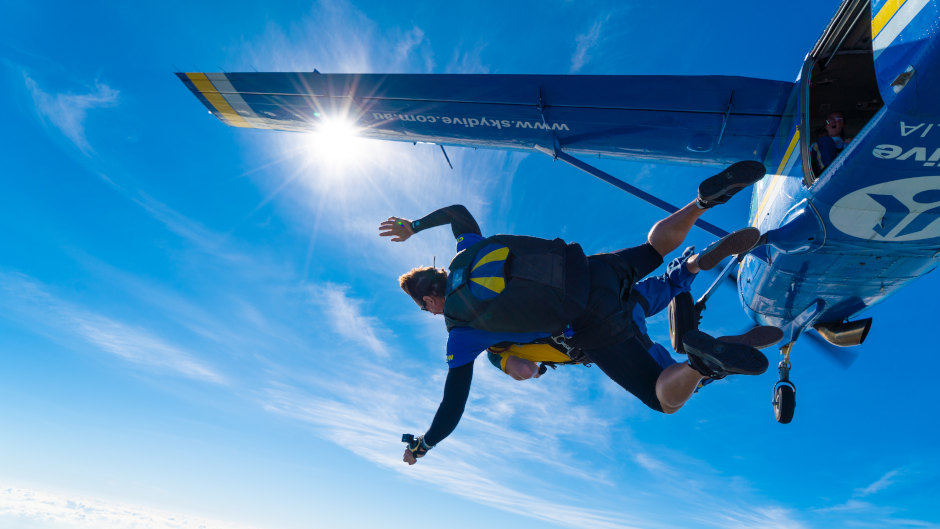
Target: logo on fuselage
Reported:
[(902, 210)]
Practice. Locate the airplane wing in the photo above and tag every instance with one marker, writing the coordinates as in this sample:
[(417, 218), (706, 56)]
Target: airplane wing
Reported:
[(687, 119)]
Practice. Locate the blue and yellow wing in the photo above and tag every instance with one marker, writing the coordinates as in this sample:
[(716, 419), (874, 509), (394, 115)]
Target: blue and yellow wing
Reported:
[(691, 119)]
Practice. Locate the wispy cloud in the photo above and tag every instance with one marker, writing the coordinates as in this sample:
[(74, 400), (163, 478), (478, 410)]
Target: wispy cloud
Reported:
[(66, 112), (585, 45), (468, 59), (29, 301), (337, 37), (364, 418), (515, 444), (137, 346), (346, 317), (882, 483), (19, 505), (849, 506)]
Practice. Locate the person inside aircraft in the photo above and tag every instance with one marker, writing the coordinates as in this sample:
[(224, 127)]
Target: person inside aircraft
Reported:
[(829, 143), (647, 298), (519, 290)]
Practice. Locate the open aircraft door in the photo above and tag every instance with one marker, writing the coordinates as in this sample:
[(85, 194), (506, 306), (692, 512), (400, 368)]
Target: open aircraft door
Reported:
[(838, 76)]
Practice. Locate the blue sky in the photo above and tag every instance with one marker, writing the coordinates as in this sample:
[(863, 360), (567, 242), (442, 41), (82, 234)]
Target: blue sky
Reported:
[(200, 328)]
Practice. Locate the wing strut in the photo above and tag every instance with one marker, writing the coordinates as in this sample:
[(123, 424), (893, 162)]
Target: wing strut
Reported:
[(558, 154)]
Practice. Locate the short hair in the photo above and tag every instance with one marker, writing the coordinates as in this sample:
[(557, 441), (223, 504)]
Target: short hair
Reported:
[(424, 281)]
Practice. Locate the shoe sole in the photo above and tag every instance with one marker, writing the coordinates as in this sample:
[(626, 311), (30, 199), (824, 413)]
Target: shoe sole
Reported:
[(732, 244), (682, 319), (759, 337), (736, 177), (726, 358)]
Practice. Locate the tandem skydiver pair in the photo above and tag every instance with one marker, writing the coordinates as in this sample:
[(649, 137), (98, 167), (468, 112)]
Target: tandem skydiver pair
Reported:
[(506, 289)]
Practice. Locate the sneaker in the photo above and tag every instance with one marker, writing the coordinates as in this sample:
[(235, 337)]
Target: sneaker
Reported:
[(683, 317), (732, 244), (716, 359), (720, 188), (759, 337)]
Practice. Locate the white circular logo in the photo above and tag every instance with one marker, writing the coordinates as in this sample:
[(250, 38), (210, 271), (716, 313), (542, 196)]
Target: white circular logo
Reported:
[(901, 210)]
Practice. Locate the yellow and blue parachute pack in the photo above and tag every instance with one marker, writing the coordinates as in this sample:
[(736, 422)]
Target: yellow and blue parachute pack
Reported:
[(515, 283)]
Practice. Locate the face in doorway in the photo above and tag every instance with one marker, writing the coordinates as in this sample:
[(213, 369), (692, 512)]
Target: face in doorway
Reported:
[(835, 122)]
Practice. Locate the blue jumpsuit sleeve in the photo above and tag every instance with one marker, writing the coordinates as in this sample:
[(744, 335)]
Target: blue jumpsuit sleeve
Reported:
[(464, 344)]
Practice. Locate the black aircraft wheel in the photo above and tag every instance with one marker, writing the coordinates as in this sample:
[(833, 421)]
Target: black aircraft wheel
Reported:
[(784, 402)]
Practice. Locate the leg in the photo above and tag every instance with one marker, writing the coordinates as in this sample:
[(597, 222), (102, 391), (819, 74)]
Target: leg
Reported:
[(675, 386), (669, 233), (630, 365)]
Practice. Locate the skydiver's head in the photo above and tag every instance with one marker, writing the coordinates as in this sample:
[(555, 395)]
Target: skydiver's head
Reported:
[(426, 286), (835, 122)]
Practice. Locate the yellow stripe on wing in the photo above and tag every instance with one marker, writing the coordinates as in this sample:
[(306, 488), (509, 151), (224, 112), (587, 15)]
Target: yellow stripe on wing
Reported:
[(207, 89)]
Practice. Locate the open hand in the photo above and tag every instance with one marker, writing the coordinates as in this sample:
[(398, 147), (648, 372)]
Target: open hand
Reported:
[(397, 228)]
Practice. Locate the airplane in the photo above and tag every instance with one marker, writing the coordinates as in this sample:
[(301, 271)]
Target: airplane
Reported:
[(836, 241)]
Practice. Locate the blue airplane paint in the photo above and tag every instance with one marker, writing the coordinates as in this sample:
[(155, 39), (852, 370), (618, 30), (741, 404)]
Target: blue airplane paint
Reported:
[(879, 204)]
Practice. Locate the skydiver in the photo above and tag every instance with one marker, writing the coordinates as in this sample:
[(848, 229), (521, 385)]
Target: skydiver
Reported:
[(552, 285), (647, 298)]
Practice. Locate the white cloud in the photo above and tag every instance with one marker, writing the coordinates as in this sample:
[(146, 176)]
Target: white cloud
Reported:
[(849, 506), (324, 39), (346, 317), (66, 112), (882, 483), (371, 418), (26, 299), (409, 45), (137, 346), (20, 505), (516, 442), (586, 43), (468, 60)]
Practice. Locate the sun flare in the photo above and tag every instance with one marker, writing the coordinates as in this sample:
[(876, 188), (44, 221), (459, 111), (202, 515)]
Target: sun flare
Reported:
[(336, 142)]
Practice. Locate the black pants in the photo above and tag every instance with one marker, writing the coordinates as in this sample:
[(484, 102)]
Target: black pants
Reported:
[(606, 332)]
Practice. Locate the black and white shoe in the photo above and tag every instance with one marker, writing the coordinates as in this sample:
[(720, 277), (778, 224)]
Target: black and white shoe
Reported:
[(720, 188), (716, 359), (734, 243)]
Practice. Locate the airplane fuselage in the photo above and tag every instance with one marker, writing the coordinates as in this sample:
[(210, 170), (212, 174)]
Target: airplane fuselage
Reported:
[(843, 240)]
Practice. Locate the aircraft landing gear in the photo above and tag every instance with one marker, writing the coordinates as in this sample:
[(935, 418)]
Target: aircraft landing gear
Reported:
[(784, 390)]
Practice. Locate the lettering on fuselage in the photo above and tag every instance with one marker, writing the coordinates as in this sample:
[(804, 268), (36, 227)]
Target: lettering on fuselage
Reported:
[(902, 210), (929, 156), (887, 151), (481, 121)]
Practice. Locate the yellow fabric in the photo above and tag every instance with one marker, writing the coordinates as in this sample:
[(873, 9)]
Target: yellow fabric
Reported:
[(496, 284), (499, 254), (535, 352)]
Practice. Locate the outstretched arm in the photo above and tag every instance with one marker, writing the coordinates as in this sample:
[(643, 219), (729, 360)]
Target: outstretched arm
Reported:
[(456, 391), (457, 216)]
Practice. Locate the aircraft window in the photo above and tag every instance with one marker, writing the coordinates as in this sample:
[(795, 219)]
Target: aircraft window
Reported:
[(842, 79)]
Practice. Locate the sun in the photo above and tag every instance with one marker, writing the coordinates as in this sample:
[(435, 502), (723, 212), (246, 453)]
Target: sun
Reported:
[(335, 142)]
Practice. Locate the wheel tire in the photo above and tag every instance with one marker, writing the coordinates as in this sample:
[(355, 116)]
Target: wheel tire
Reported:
[(784, 403)]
